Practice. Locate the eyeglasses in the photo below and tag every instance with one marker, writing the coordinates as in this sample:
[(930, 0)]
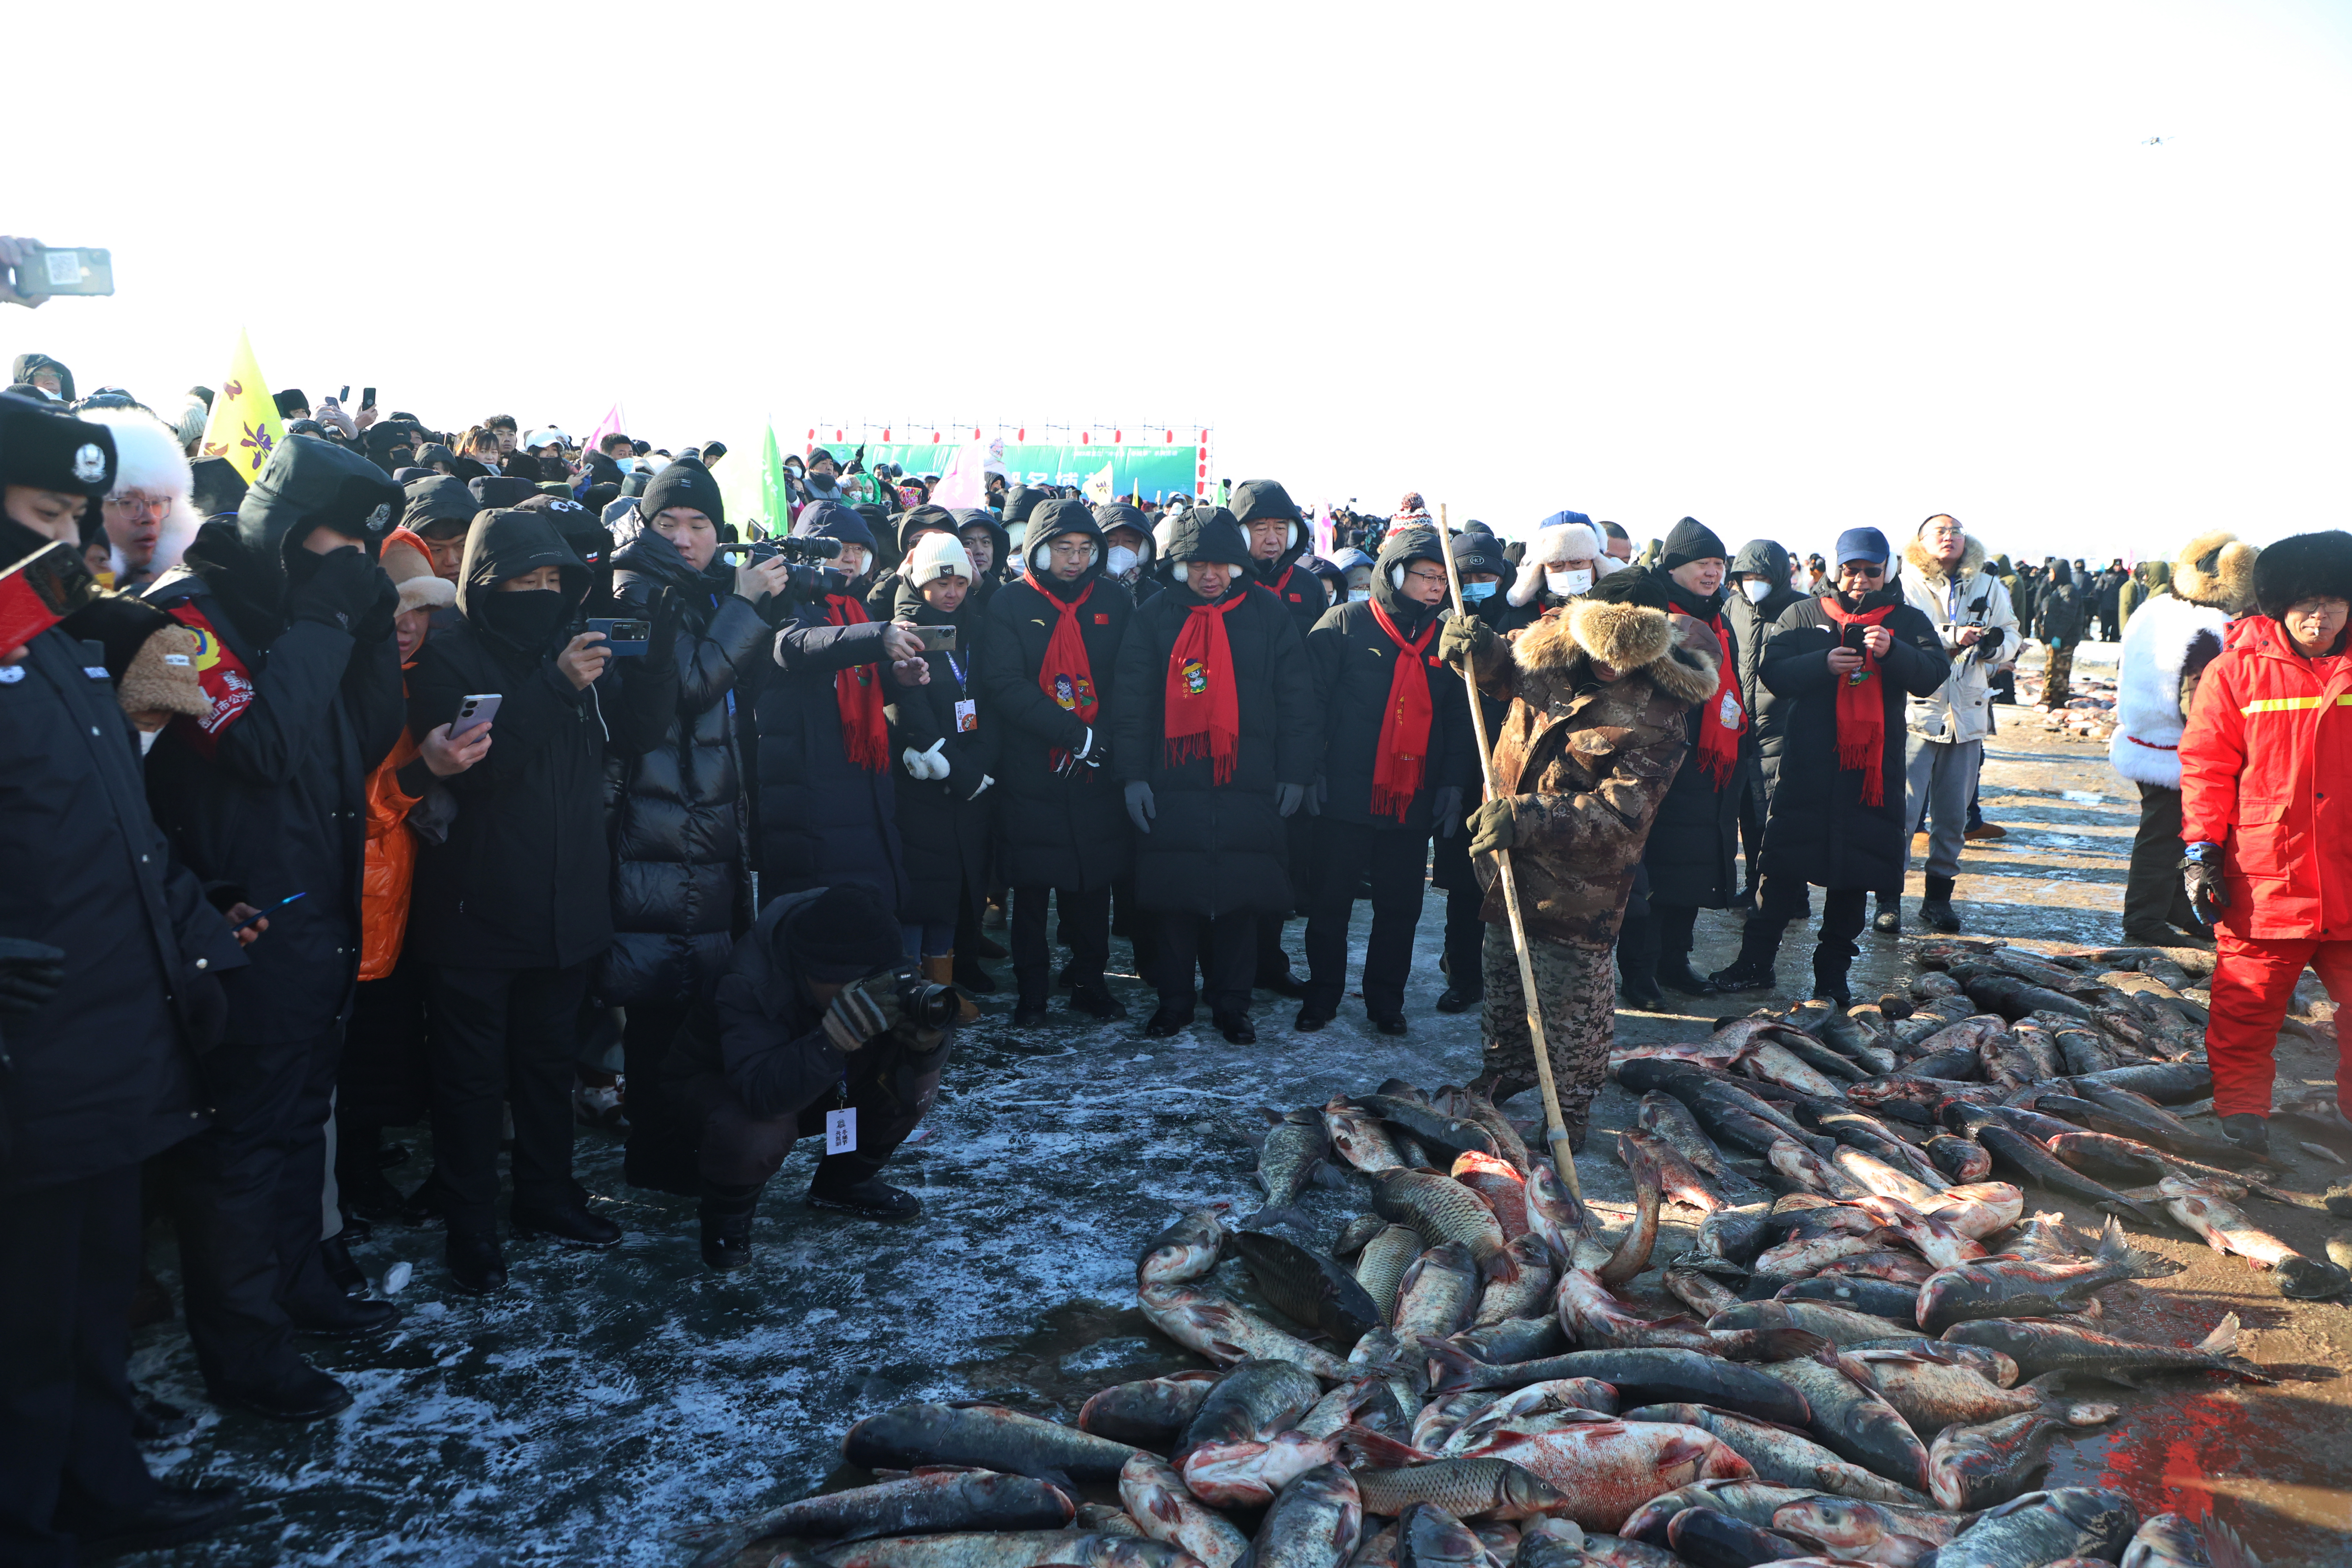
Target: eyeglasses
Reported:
[(1424, 577), (1072, 549), (1860, 569), (132, 500)]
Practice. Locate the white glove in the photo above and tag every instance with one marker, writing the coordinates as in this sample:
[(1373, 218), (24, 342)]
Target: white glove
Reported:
[(984, 782), (928, 765)]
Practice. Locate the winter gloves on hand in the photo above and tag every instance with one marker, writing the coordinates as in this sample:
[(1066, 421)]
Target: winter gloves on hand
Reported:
[(853, 1017), (1140, 808), (1464, 639), (1496, 823), (1445, 806), (927, 765), (2201, 875), (342, 591), (1288, 798)]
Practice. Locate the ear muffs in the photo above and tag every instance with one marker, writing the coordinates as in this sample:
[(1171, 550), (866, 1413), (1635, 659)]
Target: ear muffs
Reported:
[(1182, 572), (1293, 543), (1041, 557), (1396, 576)]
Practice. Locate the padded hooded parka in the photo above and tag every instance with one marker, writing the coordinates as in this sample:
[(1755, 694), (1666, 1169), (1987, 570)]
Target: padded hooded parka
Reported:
[(1217, 849), (1066, 830), (824, 819), (1694, 848), (1820, 831), (943, 828), (2060, 614), (999, 570), (2175, 634), (268, 796), (681, 830), (524, 879), (1752, 627), (882, 599), (1354, 663), (1960, 710), (1297, 590)]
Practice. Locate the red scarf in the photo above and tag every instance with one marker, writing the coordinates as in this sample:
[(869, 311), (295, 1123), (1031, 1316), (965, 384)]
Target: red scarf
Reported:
[(1861, 707), (1068, 674), (865, 738), (1205, 707), (1404, 725), (1724, 719)]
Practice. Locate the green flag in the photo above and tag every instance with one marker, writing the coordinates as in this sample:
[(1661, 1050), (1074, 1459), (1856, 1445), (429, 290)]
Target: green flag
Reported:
[(775, 501)]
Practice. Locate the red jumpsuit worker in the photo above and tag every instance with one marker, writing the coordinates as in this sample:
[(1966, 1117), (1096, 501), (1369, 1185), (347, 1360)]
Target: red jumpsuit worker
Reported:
[(2266, 814)]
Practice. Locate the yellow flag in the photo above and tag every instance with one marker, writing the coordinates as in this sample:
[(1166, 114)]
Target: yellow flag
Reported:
[(244, 428), (1098, 487)]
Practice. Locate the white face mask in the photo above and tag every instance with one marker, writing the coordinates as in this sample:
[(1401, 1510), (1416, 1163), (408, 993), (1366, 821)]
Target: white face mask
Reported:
[(1569, 584), (1757, 589), (147, 740), (1121, 561)]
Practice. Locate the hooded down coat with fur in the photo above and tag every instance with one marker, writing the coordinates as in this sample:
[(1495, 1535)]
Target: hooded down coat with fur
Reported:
[(1599, 756), (2186, 626), (1961, 709)]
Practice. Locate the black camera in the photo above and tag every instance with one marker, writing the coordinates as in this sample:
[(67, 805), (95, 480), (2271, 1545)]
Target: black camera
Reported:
[(809, 551), (924, 1004)]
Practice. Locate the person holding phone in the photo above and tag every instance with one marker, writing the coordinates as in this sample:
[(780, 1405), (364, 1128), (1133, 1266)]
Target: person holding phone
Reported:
[(508, 912), (1841, 668), (681, 887)]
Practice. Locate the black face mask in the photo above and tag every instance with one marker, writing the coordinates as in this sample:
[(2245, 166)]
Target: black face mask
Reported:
[(526, 617), (18, 541)]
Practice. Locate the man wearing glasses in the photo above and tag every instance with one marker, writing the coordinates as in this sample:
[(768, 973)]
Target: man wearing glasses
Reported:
[(147, 514), (1841, 667)]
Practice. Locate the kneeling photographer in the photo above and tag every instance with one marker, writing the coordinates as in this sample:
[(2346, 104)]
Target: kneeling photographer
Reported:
[(812, 1030)]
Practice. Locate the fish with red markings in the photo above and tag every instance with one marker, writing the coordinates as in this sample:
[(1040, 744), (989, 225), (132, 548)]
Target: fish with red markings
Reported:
[(1209, 1325), (1607, 1468), (2199, 1205), (1853, 1530), (1977, 1466), (1678, 1179), (1156, 1498), (1441, 1209), (1314, 1523), (1781, 1456), (1851, 1420), (2031, 1287), (1495, 1180), (1358, 1137), (1934, 1386)]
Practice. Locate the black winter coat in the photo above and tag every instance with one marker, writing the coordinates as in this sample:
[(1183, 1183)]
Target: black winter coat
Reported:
[(943, 827), (825, 819), (1694, 846), (274, 800), (758, 1029), (1820, 831), (678, 812), (1216, 848), (102, 1076), (524, 879), (1068, 830), (2059, 616), (1354, 662), (1294, 587), (1752, 628)]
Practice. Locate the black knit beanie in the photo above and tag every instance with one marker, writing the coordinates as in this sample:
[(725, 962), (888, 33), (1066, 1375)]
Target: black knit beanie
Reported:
[(844, 933), (1691, 540), (684, 482)]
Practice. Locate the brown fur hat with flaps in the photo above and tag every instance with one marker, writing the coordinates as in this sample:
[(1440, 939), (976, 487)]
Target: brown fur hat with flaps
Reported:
[(2216, 569), (1624, 623)]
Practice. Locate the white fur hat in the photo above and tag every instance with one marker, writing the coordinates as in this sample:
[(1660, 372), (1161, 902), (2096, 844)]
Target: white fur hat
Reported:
[(938, 556), (1560, 542), (147, 458)]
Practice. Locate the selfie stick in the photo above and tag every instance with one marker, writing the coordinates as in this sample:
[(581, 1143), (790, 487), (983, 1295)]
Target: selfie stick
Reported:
[(1556, 1131)]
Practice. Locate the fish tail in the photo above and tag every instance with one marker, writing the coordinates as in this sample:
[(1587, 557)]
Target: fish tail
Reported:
[(2223, 1339), (1500, 1267), (1378, 1449), (2223, 1546)]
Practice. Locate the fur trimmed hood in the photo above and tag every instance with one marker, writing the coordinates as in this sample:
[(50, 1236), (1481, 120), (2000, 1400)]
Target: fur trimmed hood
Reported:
[(149, 458), (2216, 569), (1930, 568), (1632, 639), (2167, 642)]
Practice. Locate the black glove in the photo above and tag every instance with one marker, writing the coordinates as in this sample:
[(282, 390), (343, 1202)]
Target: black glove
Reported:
[(375, 624), (2201, 875), (341, 591), (663, 611), (30, 974)]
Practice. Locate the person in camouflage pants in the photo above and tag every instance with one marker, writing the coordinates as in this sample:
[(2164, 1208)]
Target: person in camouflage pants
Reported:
[(1585, 752)]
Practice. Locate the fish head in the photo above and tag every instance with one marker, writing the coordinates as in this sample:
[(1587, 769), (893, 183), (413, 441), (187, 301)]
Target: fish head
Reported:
[(1471, 1160), (1842, 1524)]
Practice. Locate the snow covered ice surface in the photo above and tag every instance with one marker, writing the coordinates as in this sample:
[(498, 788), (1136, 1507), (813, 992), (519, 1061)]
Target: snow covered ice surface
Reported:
[(606, 1401)]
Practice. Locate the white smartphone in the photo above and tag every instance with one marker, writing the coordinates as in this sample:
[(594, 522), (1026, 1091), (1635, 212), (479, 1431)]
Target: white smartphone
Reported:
[(473, 712)]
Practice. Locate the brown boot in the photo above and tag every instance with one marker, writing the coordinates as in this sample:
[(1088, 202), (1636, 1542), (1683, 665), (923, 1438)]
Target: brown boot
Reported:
[(940, 971)]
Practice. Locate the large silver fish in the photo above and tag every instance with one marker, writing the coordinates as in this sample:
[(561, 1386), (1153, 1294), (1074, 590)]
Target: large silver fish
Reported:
[(1314, 1523), (1208, 1324), (2198, 1204), (1973, 1466), (1444, 1210), (1781, 1456), (1156, 1498), (2040, 1528), (2033, 1287)]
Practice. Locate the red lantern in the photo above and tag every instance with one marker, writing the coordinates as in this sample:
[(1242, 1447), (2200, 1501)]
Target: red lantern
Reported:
[(1086, 437), (1022, 434), (1115, 436), (885, 432)]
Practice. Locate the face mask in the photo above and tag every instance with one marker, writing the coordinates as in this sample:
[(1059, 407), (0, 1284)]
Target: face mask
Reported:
[(147, 740), (1569, 584), (526, 618), (1475, 593), (1756, 590), (1120, 562)]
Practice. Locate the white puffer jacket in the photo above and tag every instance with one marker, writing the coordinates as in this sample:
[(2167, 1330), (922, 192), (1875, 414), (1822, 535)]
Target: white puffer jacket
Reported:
[(2161, 640), (1961, 708)]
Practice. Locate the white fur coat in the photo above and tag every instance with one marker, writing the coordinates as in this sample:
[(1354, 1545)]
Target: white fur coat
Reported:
[(2158, 641)]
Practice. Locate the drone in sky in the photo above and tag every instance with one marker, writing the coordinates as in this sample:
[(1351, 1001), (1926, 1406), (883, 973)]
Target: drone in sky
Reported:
[(2155, 140)]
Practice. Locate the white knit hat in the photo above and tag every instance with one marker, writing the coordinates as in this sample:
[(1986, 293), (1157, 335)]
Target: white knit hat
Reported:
[(938, 556)]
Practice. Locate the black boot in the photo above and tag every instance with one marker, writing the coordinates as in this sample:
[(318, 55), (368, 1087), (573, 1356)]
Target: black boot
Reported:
[(1093, 998), (1935, 908), (1889, 921), (1029, 1007), (726, 1217), (870, 1195), (1459, 998), (2248, 1131), (1830, 963), (1752, 970), (1637, 964)]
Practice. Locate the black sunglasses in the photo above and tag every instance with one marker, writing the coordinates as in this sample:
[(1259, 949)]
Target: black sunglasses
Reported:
[(1862, 569)]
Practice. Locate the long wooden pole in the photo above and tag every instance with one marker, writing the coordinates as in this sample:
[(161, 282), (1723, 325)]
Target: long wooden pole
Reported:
[(1555, 1129)]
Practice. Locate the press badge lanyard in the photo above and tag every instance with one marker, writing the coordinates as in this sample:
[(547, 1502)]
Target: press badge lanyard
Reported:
[(967, 712), (841, 1124)]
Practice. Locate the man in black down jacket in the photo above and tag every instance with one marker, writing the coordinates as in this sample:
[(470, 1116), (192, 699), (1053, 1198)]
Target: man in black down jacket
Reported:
[(1826, 827), (681, 855), (1486, 575), (1060, 827), (1696, 842), (1760, 590), (109, 954), (1397, 761), (1210, 782), (508, 912), (804, 1021), (1277, 532), (266, 798), (2061, 619)]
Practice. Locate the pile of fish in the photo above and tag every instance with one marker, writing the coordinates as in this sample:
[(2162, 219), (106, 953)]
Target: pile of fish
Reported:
[(1880, 1343), (2089, 713)]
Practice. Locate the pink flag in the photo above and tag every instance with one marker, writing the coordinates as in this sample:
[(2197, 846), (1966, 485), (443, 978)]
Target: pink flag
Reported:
[(608, 425), (965, 483), (1324, 531)]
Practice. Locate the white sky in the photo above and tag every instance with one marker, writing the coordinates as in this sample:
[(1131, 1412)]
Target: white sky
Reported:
[(1787, 268)]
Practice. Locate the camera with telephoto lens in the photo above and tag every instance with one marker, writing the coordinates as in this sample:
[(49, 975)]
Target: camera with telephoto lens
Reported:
[(806, 580), (922, 1004)]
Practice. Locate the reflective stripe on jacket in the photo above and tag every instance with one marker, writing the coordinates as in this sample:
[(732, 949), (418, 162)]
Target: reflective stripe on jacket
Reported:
[(2266, 772)]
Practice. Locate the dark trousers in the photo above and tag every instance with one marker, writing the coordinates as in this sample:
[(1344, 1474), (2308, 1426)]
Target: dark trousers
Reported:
[(645, 1041), (1752, 812), (1345, 854), (1465, 933), (890, 1087), (1676, 926), (503, 1037), (1224, 949), (1784, 899), (68, 1260), (1298, 860), (2153, 895), (1085, 920), (244, 1195)]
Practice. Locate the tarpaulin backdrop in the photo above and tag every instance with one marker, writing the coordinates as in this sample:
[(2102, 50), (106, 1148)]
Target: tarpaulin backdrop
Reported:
[(1157, 468)]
